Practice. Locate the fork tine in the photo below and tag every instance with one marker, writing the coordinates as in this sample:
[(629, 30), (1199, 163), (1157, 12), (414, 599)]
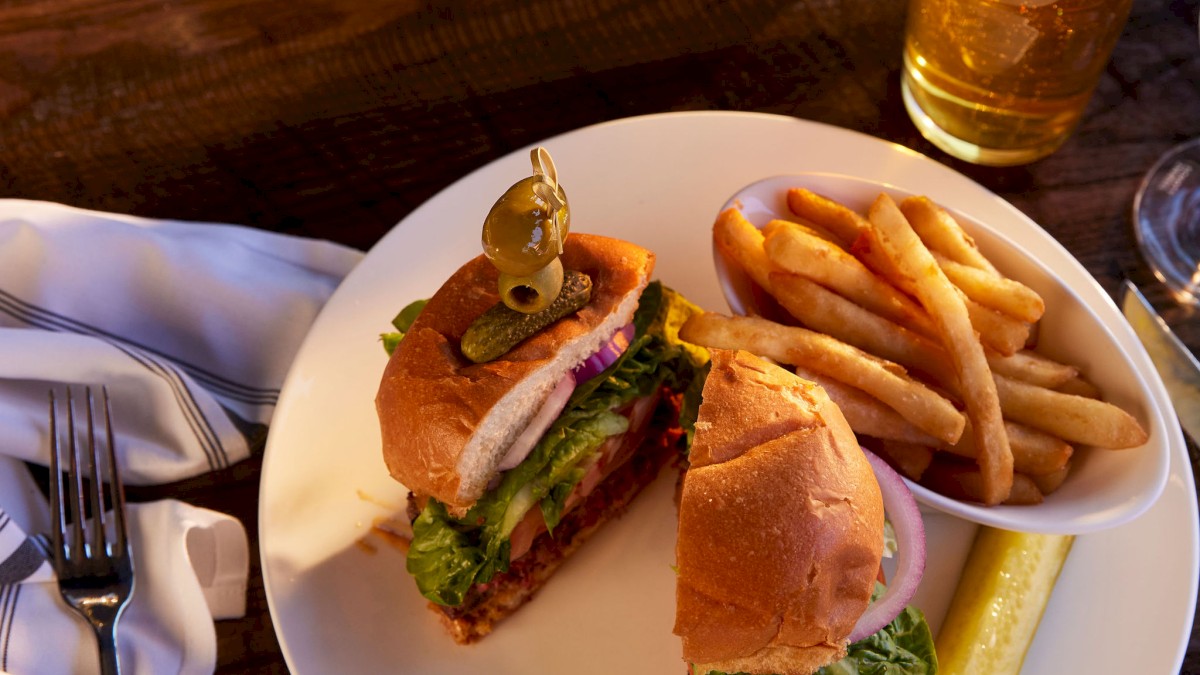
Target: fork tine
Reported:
[(56, 500), (99, 536), (116, 485), (75, 478)]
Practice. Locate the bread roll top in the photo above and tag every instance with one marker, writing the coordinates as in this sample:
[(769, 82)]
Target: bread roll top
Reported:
[(780, 524)]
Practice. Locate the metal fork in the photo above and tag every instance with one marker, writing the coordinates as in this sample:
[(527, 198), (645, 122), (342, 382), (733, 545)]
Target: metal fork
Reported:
[(94, 564)]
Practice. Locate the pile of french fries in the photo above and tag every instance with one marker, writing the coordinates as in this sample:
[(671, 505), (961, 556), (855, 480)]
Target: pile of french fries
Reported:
[(924, 345)]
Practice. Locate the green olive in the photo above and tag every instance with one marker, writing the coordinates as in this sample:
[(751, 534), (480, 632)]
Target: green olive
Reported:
[(533, 293), (524, 231)]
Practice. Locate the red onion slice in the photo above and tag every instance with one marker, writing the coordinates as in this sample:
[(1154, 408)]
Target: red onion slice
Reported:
[(606, 355), (902, 511), (520, 449), (552, 408)]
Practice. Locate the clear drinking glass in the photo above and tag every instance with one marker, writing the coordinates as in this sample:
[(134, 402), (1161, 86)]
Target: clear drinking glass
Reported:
[(1166, 220)]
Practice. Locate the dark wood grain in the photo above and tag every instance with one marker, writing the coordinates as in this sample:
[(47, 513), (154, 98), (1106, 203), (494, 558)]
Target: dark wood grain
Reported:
[(336, 118)]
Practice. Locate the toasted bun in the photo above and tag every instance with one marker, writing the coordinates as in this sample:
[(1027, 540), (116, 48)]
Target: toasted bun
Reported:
[(780, 525), (446, 422)]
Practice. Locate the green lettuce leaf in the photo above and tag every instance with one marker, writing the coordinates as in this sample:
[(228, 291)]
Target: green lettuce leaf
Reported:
[(448, 555), (441, 551), (568, 465), (903, 647), (402, 322), (689, 409), (668, 312)]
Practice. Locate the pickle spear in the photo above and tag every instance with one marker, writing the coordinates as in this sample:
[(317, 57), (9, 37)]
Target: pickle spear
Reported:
[(501, 328), (999, 602)]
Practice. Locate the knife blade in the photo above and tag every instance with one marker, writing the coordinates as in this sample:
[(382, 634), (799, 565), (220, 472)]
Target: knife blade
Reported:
[(1176, 365)]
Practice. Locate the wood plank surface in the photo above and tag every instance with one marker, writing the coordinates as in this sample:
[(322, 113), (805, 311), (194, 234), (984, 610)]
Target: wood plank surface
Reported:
[(336, 118)]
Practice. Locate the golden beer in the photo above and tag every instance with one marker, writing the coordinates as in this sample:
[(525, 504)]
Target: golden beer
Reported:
[(1003, 81)]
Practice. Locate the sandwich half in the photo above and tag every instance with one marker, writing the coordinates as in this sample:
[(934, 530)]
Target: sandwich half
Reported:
[(781, 525), (512, 463)]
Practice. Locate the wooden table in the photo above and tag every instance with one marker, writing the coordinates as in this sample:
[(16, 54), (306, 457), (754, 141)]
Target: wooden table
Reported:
[(334, 119)]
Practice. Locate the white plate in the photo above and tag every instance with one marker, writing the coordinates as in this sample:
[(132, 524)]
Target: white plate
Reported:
[(1081, 327), (1124, 602)]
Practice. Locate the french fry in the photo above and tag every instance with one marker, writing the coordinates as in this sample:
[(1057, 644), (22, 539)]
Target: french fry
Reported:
[(740, 241), (1075, 419), (944, 303), (1039, 452), (942, 233), (992, 290), (867, 415), (1003, 333), (824, 311), (899, 289), (1077, 386), (966, 482), (1034, 452), (827, 214), (1024, 491), (1029, 366), (827, 312), (1047, 483), (797, 346), (851, 230), (807, 227), (796, 251), (910, 459), (998, 331)]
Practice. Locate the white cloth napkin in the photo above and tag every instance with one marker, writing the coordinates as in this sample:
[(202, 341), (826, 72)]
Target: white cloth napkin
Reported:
[(191, 563), (192, 328)]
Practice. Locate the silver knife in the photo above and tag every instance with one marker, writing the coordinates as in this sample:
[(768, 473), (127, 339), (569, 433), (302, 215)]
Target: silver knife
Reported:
[(1178, 367)]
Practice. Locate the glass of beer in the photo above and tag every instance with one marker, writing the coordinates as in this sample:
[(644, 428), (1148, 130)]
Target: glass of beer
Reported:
[(1003, 82)]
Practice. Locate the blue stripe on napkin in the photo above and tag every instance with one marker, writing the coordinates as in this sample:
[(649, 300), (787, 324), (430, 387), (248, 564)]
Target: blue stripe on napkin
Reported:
[(210, 442), (23, 561), (8, 609), (158, 364), (44, 318)]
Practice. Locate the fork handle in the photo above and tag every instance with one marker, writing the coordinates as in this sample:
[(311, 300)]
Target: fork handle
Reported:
[(106, 638)]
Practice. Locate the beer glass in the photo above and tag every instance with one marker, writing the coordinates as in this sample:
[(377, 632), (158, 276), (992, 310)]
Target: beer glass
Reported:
[(1002, 82)]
